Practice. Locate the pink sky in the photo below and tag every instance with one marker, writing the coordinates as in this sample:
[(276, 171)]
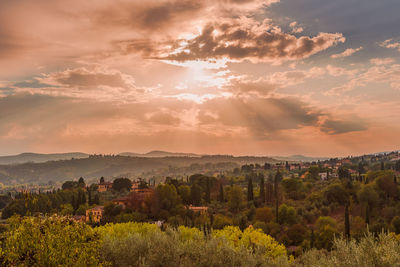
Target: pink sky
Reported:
[(215, 77)]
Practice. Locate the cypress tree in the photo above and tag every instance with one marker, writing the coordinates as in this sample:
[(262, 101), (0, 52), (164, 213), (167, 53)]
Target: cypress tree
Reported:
[(83, 198), (367, 215), (208, 195), (250, 196), (382, 166), (81, 182), (277, 176), (79, 200), (73, 202), (221, 193), (262, 189), (312, 239), (90, 197), (347, 222), (96, 199)]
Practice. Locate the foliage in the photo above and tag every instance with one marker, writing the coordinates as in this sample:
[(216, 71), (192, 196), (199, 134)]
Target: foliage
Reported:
[(49, 241), (235, 198), (336, 193), (167, 196), (120, 184), (251, 238), (369, 251), (287, 215), (184, 193), (143, 245), (264, 214), (220, 221)]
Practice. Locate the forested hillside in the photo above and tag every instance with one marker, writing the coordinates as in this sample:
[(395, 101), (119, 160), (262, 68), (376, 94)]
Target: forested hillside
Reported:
[(111, 166)]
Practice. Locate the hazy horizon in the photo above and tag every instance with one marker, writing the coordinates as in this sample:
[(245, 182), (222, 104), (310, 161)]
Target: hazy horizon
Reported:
[(236, 77), (200, 154)]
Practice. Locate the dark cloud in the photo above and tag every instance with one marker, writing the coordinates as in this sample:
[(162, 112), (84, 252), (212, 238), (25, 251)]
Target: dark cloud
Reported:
[(333, 126), (148, 15), (89, 78), (262, 117), (50, 115), (248, 39), (163, 118), (92, 82)]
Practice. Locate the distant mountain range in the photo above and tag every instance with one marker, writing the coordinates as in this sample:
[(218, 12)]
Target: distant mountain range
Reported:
[(109, 166), (39, 158), (159, 154), (300, 158)]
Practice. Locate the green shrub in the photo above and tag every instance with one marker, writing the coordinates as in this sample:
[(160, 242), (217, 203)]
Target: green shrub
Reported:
[(369, 251), (49, 241)]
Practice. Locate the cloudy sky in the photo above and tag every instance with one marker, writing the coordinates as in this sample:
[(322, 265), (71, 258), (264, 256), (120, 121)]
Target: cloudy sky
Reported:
[(260, 77)]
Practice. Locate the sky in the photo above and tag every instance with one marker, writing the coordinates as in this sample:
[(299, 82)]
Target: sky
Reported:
[(240, 77)]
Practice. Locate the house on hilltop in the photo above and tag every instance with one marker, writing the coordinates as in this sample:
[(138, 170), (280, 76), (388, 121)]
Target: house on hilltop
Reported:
[(104, 186), (95, 214), (121, 201), (134, 198)]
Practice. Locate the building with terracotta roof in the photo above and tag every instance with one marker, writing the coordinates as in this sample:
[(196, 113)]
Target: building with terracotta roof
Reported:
[(199, 209), (95, 214)]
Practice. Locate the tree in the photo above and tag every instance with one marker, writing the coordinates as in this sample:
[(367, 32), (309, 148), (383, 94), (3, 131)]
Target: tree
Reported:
[(368, 195), (90, 201), (357, 227), (397, 166), (81, 182), (293, 188), (250, 193), (66, 209), (313, 172), (184, 193), (167, 196), (121, 184), (344, 173), (346, 222), (220, 221), (33, 241), (287, 215), (69, 185), (262, 188), (396, 224), (361, 169), (367, 214), (74, 202), (382, 166), (336, 193), (195, 194), (264, 214), (296, 233), (221, 197), (102, 180), (96, 200), (326, 232), (235, 198), (385, 183), (269, 190), (278, 177), (208, 193)]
